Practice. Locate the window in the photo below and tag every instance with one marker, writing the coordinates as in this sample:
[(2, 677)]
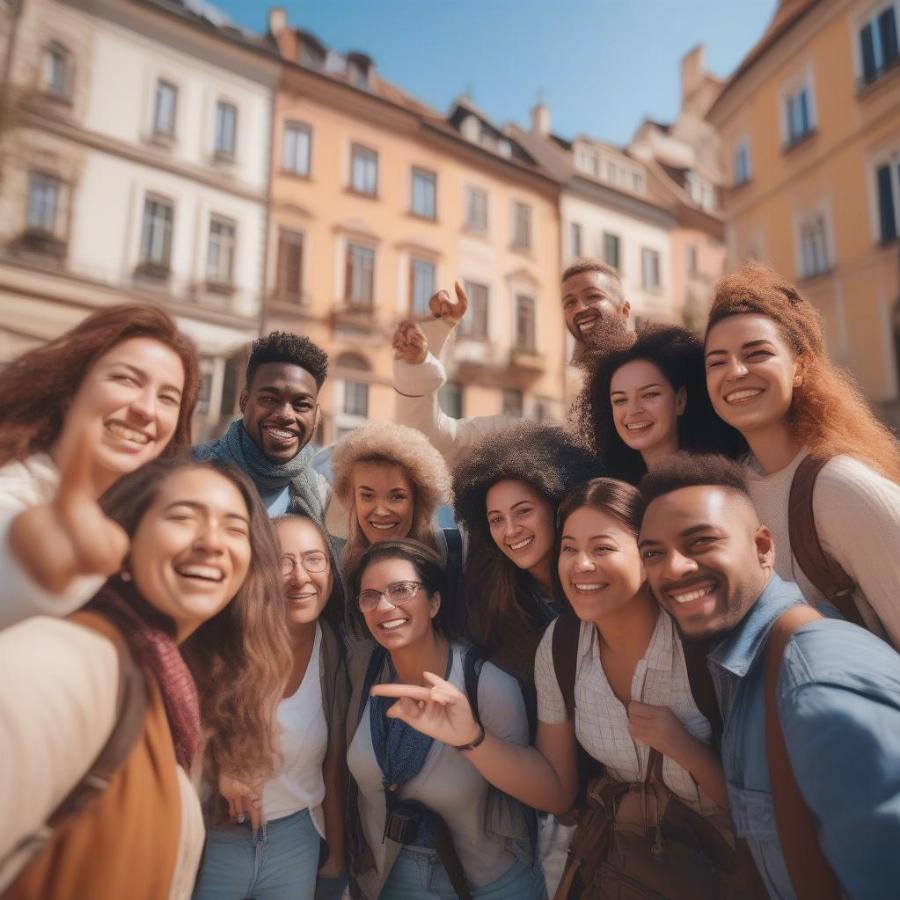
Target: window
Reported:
[(424, 191), (156, 232), (612, 251), (289, 276), (364, 170), (57, 71), (475, 321), (164, 109), (44, 192), (476, 209), (525, 323), (798, 115), (295, 151), (471, 129), (450, 397), (575, 239), (521, 235), (692, 256), (649, 269), (702, 192), (356, 399), (226, 128), (878, 44), (513, 403), (742, 162), (813, 246), (888, 183), (421, 286), (352, 394), (220, 252), (359, 276)]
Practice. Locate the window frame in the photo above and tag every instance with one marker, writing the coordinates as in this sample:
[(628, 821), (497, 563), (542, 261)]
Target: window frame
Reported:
[(869, 19), (800, 84), (285, 238), (146, 259), (49, 179), (229, 244), (890, 161), (296, 127), (351, 302), (415, 264), (472, 190), (478, 313), (220, 152), (654, 256), (158, 132), (418, 172), (742, 149), (617, 265), (519, 206), (60, 51), (363, 151)]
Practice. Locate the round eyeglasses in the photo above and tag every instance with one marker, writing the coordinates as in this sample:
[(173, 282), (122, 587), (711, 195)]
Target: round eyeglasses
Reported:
[(313, 562), (397, 593)]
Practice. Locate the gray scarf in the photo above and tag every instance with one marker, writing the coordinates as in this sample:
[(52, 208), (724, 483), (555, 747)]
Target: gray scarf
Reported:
[(239, 449)]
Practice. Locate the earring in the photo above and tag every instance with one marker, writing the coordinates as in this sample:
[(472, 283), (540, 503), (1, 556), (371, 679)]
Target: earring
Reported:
[(798, 380), (125, 575)]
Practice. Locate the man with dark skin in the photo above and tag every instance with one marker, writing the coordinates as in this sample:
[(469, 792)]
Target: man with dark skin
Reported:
[(280, 411), (710, 564), (596, 315)]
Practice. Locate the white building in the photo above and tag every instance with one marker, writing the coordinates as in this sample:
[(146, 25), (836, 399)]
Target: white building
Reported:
[(135, 161)]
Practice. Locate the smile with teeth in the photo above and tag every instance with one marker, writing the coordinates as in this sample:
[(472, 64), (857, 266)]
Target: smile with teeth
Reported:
[(383, 526), (123, 432), (693, 594), (392, 624), (744, 394), (586, 323), (639, 426), (587, 588), (280, 434), (204, 573), (520, 544)]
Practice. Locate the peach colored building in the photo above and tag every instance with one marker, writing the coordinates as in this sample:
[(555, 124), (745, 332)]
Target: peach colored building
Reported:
[(377, 201), (810, 131)]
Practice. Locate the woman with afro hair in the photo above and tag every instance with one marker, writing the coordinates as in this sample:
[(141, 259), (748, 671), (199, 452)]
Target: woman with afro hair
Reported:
[(769, 376), (647, 401), (506, 495)]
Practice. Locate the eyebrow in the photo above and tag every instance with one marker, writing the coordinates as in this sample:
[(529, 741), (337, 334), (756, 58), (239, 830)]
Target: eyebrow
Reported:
[(365, 487), (644, 388), (593, 537), (143, 374), (757, 343), (202, 507)]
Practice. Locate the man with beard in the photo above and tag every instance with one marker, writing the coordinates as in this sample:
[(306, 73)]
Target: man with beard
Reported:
[(596, 315), (280, 410), (813, 779)]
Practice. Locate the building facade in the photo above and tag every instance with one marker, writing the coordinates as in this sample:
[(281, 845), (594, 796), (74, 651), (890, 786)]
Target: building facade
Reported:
[(135, 155), (810, 133)]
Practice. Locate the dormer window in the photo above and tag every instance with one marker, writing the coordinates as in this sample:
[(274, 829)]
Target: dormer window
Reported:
[(310, 53), (358, 69), (504, 148), (471, 129)]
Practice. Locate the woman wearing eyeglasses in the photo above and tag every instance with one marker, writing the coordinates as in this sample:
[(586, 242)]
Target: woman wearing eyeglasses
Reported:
[(265, 838), (423, 823)]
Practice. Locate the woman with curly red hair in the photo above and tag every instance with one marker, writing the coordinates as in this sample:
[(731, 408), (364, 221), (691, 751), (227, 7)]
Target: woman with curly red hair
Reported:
[(769, 376), (122, 384)]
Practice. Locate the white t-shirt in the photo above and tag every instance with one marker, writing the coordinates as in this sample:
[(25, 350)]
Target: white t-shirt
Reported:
[(299, 784)]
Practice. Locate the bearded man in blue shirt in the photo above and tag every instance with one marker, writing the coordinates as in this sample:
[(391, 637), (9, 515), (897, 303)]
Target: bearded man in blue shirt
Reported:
[(709, 562)]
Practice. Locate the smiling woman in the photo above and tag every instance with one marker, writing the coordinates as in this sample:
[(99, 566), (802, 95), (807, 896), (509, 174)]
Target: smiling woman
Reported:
[(115, 392)]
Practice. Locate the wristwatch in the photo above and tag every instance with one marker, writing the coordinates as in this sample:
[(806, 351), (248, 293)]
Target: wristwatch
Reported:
[(472, 744)]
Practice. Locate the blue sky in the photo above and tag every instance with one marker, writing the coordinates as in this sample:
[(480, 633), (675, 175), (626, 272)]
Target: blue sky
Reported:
[(600, 65)]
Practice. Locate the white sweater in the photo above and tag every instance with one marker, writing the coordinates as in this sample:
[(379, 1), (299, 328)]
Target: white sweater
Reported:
[(857, 515), (32, 482)]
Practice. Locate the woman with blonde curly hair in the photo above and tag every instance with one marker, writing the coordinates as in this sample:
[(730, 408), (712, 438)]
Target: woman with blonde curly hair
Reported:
[(769, 376), (388, 483)]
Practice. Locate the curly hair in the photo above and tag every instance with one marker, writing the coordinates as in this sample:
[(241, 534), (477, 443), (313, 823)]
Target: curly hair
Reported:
[(383, 442), (284, 347), (241, 657), (36, 387), (828, 414), (678, 355), (547, 459)]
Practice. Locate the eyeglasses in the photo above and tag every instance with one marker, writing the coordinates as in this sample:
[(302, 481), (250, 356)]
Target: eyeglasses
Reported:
[(313, 562), (398, 593)]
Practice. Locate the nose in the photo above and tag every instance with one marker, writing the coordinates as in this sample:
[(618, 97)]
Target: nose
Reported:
[(678, 566), (735, 368), (583, 563), (209, 538), (381, 508), (510, 527), (285, 412), (143, 405), (384, 602), (633, 405), (298, 576)]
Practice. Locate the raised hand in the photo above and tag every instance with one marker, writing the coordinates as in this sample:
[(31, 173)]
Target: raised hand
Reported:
[(244, 800), (441, 711), (442, 306), (410, 343), (70, 536)]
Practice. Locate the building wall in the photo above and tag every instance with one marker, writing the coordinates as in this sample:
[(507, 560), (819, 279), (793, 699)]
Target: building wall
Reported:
[(832, 171)]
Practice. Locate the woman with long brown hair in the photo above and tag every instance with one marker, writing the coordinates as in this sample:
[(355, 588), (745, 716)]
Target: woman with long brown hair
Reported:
[(123, 384), (186, 645), (769, 376)]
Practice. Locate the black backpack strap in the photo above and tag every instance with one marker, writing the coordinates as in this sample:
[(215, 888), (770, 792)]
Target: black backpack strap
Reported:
[(702, 688), (566, 631), (472, 663), (451, 862)]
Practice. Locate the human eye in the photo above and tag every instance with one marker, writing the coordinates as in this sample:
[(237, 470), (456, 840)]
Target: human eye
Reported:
[(714, 363), (525, 511), (760, 354), (651, 395), (568, 303), (704, 542), (494, 521), (603, 549), (314, 560), (366, 495), (170, 399), (397, 496), (401, 591), (618, 401), (566, 548), (651, 555)]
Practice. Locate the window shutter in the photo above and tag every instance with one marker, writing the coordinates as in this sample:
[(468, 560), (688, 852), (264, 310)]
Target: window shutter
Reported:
[(868, 53), (887, 28), (886, 209)]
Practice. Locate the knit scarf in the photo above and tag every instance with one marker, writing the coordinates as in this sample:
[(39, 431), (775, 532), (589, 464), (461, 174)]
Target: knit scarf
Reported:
[(238, 448), (149, 632)]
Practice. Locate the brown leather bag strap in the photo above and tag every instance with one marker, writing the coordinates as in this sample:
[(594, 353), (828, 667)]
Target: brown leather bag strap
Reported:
[(807, 867), (817, 565), (566, 631)]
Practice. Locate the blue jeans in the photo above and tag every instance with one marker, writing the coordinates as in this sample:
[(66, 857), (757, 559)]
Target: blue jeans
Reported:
[(278, 862), (419, 875)]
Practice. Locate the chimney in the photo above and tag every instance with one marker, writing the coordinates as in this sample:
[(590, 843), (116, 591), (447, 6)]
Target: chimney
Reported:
[(277, 20), (540, 119), (693, 68)]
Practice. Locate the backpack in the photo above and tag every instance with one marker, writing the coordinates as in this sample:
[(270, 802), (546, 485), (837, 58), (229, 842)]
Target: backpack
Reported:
[(822, 570)]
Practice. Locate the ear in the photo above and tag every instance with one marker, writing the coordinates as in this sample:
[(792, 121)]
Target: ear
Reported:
[(680, 401), (799, 370), (765, 548), (626, 309), (243, 401), (434, 604)]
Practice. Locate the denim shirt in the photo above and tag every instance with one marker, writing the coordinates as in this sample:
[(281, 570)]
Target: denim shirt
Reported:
[(838, 697)]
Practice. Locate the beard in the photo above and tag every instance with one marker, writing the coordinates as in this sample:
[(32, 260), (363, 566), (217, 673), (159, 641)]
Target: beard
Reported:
[(610, 335)]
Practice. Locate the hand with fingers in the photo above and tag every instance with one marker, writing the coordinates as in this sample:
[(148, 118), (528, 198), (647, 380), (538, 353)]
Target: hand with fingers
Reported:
[(657, 726), (439, 711), (244, 800), (442, 306), (71, 535), (410, 343)]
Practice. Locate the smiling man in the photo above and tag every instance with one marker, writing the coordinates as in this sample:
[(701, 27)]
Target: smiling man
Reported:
[(280, 408), (596, 315), (710, 564)]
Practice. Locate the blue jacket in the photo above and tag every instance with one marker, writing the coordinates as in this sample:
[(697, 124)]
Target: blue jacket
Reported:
[(838, 698)]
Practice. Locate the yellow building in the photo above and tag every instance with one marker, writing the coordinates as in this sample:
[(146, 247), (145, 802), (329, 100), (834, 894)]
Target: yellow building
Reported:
[(810, 127), (378, 200)]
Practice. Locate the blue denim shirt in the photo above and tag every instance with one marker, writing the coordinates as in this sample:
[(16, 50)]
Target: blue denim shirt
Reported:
[(838, 698)]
